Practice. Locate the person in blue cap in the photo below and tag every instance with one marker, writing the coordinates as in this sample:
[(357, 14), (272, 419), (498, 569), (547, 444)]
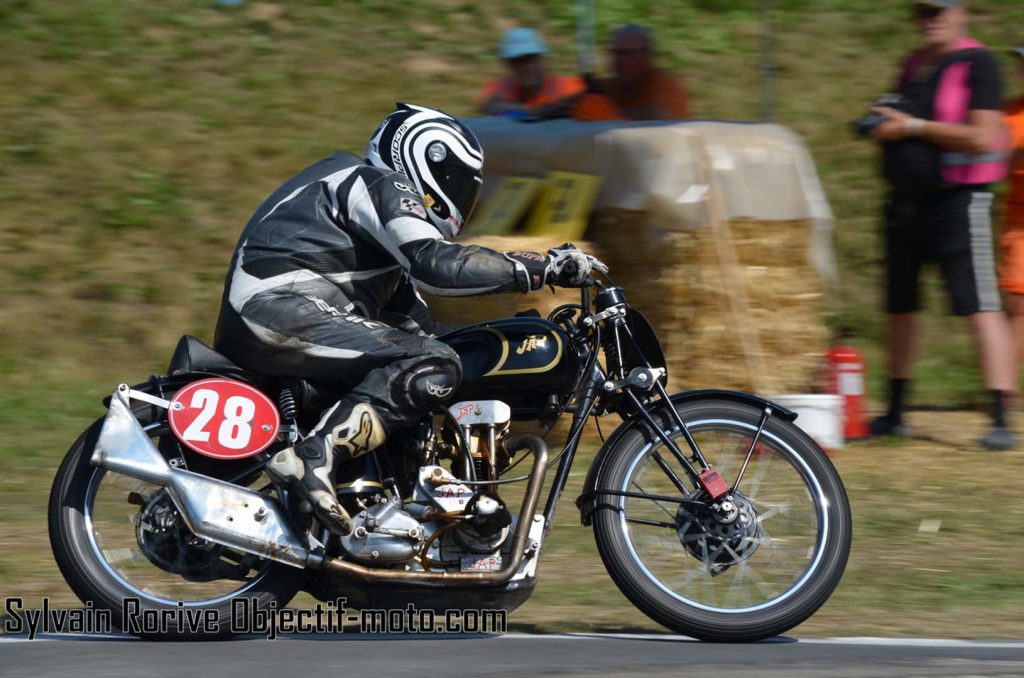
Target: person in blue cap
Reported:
[(528, 91)]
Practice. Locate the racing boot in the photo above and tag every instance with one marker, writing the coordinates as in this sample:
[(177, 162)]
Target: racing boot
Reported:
[(309, 466)]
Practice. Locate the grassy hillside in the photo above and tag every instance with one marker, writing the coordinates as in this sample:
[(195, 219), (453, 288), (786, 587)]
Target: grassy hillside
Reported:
[(137, 137)]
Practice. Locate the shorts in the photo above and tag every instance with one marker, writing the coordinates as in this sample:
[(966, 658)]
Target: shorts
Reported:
[(951, 228), (1011, 273)]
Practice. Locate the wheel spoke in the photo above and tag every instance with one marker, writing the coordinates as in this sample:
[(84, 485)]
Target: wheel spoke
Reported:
[(114, 556), (670, 514), (750, 573), (663, 465), (653, 523)]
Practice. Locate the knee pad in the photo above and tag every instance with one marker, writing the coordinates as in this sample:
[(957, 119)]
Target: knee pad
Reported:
[(427, 385)]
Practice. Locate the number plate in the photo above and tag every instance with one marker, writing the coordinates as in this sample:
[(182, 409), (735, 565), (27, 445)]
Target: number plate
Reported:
[(223, 418), (481, 563)]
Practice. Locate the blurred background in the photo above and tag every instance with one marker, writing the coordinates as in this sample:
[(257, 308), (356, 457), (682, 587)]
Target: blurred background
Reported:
[(136, 138)]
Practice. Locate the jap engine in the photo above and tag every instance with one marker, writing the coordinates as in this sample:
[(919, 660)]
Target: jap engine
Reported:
[(410, 511)]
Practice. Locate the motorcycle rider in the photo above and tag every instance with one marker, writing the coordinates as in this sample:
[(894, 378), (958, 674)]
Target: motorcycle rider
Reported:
[(323, 286)]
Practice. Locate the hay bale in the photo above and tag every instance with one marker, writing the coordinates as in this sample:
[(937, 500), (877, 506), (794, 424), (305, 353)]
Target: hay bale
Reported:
[(675, 279)]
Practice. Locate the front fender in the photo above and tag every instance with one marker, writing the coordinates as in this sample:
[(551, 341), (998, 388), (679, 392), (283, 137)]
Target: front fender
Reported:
[(585, 502)]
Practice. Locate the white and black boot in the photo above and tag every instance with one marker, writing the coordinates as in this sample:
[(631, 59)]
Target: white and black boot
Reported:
[(309, 466)]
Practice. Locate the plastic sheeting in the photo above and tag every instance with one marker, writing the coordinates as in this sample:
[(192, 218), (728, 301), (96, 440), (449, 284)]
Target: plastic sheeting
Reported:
[(680, 175)]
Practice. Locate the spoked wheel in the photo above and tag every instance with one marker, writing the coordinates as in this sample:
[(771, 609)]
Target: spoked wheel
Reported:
[(117, 538), (750, 566)]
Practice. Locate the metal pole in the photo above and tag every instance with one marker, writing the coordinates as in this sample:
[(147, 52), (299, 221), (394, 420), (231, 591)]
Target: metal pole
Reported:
[(586, 37), (769, 70)]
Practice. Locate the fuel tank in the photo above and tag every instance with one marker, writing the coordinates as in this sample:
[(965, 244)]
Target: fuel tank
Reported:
[(522, 361)]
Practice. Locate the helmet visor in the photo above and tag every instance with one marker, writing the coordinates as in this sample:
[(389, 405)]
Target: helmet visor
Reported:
[(461, 184)]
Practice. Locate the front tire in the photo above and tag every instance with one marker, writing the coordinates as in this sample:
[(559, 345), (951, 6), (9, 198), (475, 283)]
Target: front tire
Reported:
[(107, 567), (753, 578)]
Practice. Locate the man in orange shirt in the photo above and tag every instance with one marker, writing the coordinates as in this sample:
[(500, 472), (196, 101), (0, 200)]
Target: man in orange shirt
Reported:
[(1012, 240), (639, 90), (528, 92)]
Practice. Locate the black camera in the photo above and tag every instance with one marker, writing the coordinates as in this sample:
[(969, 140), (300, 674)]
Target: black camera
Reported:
[(869, 122)]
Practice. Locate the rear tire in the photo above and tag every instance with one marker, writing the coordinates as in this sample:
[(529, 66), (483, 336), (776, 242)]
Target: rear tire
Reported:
[(94, 580), (703, 606)]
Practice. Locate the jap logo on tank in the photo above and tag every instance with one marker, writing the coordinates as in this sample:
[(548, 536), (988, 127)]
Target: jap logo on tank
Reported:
[(412, 206), (223, 418)]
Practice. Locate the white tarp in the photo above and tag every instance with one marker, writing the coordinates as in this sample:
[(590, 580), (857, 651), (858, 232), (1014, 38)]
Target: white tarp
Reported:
[(670, 170)]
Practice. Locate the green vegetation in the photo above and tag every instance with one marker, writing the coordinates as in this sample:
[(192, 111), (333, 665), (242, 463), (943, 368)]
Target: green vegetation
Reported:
[(138, 137)]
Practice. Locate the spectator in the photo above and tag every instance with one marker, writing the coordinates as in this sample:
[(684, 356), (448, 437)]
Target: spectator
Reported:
[(1012, 241), (639, 90), (528, 91), (941, 153)]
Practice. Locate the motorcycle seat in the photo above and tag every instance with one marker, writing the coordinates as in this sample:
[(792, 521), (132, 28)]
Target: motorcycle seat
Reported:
[(192, 356)]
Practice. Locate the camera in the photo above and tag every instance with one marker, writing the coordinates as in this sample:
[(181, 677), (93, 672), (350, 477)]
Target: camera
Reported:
[(865, 125)]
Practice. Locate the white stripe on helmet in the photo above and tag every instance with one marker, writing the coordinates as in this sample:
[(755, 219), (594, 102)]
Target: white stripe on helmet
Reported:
[(443, 133)]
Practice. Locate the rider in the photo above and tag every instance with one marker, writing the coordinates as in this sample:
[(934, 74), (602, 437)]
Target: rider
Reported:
[(323, 286)]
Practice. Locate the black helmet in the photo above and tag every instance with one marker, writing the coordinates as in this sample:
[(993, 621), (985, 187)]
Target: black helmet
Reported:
[(439, 154)]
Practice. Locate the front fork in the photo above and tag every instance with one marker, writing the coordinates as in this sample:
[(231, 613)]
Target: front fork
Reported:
[(646, 379)]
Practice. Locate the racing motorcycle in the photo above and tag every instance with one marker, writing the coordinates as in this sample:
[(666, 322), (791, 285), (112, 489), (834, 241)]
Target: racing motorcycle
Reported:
[(712, 511)]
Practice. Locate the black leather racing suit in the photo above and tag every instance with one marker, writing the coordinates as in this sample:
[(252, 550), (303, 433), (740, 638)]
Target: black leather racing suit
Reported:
[(322, 286)]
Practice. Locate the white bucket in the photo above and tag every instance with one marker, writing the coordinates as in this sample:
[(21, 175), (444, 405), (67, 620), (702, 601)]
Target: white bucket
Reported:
[(819, 415)]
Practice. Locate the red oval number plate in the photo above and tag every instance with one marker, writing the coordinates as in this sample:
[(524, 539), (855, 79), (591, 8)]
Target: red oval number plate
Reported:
[(223, 418)]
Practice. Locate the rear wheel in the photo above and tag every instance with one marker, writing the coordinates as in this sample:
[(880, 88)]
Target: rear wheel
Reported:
[(749, 569), (121, 545)]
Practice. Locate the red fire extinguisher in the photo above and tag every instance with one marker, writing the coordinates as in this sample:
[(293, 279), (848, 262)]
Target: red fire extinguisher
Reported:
[(845, 372)]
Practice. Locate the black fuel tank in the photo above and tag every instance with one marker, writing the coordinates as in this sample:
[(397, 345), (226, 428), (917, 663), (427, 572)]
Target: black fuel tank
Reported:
[(521, 361)]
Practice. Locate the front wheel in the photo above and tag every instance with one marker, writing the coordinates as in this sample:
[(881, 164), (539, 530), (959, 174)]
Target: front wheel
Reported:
[(748, 569)]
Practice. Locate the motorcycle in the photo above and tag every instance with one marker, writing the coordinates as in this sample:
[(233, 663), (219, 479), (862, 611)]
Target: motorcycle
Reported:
[(714, 514)]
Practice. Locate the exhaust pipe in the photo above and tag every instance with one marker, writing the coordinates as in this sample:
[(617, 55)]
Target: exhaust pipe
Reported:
[(441, 579), (213, 509)]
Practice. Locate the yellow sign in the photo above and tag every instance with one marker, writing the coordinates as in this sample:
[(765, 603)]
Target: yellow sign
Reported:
[(564, 206), (506, 206)]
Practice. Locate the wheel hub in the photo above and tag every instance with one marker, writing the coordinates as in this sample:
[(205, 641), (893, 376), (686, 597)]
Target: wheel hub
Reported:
[(720, 535), (168, 543)]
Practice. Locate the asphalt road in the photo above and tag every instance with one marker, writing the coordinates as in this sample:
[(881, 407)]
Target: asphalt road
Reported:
[(651, 656)]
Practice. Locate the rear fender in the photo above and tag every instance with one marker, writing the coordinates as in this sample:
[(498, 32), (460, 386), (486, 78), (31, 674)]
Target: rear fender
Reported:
[(585, 502), (169, 446), (159, 385)]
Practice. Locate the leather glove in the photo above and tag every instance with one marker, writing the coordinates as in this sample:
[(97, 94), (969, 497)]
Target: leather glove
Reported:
[(569, 266)]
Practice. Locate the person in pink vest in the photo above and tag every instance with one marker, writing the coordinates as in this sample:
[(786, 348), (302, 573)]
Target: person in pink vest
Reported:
[(943, 147)]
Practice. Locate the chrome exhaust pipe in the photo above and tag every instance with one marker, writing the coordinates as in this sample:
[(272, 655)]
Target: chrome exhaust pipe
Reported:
[(227, 514), (440, 579)]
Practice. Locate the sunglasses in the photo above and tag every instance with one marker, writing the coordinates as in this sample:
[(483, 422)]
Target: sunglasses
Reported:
[(927, 12)]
